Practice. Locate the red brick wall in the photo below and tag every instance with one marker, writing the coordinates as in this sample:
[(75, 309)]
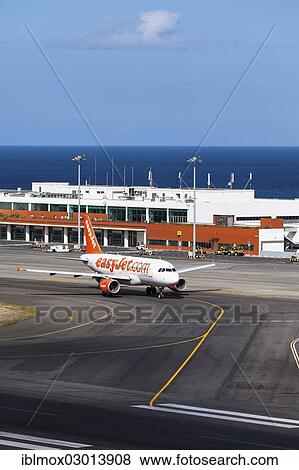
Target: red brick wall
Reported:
[(271, 223), (205, 233), (44, 216)]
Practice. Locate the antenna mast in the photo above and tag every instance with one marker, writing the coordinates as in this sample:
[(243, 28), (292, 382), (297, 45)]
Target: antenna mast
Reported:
[(232, 180), (150, 177), (209, 181), (249, 182)]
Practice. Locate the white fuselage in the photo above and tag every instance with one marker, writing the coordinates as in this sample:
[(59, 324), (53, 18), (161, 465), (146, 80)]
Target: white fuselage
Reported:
[(132, 270)]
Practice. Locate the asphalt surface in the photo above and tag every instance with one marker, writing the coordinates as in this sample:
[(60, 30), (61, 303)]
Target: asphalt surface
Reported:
[(86, 368)]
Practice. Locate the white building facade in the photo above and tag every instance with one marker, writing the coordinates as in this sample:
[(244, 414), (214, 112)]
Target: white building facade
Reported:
[(155, 204), (143, 204)]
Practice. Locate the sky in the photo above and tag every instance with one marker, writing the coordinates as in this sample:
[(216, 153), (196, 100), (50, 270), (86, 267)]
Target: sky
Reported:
[(149, 72)]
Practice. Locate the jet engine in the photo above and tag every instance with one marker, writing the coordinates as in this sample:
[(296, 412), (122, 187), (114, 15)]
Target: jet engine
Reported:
[(179, 286), (109, 286)]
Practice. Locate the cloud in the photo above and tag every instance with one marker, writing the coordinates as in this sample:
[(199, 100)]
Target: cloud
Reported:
[(155, 29), (157, 24)]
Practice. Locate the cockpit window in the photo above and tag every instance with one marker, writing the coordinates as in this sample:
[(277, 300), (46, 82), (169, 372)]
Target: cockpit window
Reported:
[(174, 270), (168, 270)]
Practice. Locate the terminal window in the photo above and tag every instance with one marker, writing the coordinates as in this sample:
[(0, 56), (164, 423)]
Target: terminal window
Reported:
[(75, 209), (115, 238), (36, 233), (136, 214), (58, 207), (156, 242), (5, 205), (18, 232), (177, 216), (202, 244), (117, 214), (39, 207), (3, 232), (97, 209), (55, 234), (20, 206), (224, 220), (158, 215)]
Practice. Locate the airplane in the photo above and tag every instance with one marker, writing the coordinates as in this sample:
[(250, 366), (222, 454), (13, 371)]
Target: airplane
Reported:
[(113, 270)]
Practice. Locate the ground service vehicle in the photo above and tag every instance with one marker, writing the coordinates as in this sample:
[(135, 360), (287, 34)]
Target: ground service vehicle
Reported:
[(234, 251), (199, 253), (58, 249)]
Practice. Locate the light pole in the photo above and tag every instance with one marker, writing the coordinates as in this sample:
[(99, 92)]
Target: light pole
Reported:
[(194, 160), (79, 159)]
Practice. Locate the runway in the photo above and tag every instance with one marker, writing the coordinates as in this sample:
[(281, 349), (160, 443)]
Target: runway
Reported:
[(215, 362)]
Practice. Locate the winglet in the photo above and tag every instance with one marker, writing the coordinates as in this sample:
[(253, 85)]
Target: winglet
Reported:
[(92, 245)]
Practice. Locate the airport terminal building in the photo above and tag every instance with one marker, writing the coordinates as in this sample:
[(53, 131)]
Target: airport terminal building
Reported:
[(161, 218)]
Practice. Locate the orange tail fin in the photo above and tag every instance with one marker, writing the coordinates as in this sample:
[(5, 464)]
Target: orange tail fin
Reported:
[(92, 245)]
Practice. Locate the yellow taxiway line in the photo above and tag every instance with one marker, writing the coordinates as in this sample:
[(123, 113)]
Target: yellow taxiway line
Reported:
[(294, 350), (190, 356)]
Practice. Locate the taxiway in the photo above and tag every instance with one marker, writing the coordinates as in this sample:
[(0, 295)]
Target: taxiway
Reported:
[(212, 367)]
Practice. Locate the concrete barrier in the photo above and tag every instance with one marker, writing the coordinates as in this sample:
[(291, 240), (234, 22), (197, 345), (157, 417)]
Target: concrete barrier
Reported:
[(277, 254)]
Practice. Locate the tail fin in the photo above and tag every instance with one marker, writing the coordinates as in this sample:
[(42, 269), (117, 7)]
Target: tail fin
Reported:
[(92, 245)]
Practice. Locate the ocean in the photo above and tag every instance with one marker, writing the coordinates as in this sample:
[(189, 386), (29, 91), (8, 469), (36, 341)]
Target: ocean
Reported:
[(275, 170)]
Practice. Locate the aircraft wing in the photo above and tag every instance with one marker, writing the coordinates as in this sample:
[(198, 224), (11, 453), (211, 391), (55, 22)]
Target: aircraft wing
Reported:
[(75, 274), (195, 268)]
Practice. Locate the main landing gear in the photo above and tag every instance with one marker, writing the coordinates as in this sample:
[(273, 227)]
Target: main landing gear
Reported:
[(153, 292)]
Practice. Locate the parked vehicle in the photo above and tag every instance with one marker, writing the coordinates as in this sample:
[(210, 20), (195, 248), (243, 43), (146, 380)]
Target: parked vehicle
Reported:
[(234, 251), (199, 253), (140, 247), (58, 249), (223, 251), (146, 252)]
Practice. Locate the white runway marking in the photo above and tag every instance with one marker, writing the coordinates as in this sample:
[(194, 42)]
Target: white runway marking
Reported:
[(294, 351), (36, 439), (223, 415), (22, 445)]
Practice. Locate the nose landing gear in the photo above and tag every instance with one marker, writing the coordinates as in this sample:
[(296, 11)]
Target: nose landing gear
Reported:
[(161, 294)]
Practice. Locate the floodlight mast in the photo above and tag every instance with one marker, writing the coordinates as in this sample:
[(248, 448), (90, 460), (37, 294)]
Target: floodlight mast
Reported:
[(194, 161), (79, 159)]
